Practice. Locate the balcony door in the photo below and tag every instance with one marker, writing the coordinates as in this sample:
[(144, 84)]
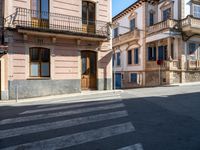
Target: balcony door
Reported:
[(88, 17), (40, 13), (89, 70)]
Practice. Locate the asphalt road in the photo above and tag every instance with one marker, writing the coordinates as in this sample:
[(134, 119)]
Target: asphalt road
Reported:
[(162, 118)]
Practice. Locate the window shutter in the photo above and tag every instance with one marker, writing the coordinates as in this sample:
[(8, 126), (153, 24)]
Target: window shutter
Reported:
[(154, 53)]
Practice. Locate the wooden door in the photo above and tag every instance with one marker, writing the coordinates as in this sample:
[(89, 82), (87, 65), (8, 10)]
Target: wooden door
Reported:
[(89, 70)]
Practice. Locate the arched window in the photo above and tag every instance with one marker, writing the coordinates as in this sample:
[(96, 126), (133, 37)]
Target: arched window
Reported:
[(39, 62)]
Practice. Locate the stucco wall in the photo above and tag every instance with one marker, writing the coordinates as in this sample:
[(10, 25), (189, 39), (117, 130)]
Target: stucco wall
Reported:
[(69, 7)]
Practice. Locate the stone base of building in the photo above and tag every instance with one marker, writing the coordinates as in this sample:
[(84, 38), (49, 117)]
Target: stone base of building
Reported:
[(156, 78), (37, 88)]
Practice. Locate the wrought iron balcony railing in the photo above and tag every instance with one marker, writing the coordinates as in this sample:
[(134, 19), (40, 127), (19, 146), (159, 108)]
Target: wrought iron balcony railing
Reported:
[(53, 22)]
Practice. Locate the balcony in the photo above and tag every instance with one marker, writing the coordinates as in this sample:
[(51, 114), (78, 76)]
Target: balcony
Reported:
[(127, 37), (166, 65), (27, 19), (193, 64), (161, 26), (191, 24)]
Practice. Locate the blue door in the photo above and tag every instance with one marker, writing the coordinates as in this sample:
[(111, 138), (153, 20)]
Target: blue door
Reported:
[(160, 53), (118, 80)]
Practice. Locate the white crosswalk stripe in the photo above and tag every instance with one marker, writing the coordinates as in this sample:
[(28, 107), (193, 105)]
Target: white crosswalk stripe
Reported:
[(77, 138), (132, 147), (60, 114), (68, 107), (114, 123), (60, 124)]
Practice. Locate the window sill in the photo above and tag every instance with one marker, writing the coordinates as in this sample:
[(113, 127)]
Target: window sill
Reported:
[(39, 78)]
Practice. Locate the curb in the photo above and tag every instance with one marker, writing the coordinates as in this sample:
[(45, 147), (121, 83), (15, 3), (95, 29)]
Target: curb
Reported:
[(54, 97)]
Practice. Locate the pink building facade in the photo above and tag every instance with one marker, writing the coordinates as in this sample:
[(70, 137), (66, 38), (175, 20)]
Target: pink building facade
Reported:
[(55, 47)]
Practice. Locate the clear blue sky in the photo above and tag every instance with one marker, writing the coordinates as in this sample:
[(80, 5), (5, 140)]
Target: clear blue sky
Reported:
[(119, 5)]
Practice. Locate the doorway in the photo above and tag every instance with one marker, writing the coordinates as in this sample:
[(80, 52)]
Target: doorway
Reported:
[(88, 70)]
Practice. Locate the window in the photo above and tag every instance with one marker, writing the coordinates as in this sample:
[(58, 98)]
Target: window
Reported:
[(166, 14), (129, 57), (196, 11), (113, 60), (116, 32), (133, 77), (136, 56), (39, 62), (88, 13), (192, 48), (151, 18), (192, 51), (151, 53), (132, 24), (41, 7), (118, 59), (162, 53)]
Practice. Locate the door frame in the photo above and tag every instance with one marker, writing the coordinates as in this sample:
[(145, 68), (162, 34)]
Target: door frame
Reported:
[(90, 51)]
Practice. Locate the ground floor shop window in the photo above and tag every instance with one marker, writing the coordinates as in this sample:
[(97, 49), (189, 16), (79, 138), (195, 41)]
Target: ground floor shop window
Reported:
[(39, 62)]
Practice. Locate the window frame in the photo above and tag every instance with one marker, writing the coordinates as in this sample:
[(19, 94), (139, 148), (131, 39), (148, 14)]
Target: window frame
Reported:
[(116, 32), (39, 62), (193, 10), (164, 10), (40, 10), (130, 78), (88, 21), (132, 27), (118, 59), (151, 16)]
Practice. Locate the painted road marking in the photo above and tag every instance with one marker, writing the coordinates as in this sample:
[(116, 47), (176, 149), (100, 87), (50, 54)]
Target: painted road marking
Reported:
[(68, 107), (132, 147), (59, 114), (60, 124), (77, 138)]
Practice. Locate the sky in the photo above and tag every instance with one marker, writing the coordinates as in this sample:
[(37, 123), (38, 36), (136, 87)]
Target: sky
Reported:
[(119, 5)]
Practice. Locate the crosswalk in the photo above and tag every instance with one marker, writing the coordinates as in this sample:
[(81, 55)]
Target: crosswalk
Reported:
[(67, 125)]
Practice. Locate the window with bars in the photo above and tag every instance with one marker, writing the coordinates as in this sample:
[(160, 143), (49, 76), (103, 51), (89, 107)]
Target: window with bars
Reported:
[(39, 62)]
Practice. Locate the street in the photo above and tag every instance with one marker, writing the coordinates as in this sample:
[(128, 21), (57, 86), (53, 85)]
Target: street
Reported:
[(160, 118)]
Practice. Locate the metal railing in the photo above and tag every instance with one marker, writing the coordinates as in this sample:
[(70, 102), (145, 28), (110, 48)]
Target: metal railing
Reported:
[(32, 19), (170, 23)]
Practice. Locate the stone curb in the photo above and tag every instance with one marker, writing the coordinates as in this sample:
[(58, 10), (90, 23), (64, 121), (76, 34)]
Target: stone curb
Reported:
[(47, 98)]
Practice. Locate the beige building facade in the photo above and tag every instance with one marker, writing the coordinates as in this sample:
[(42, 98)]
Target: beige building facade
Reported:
[(170, 45), (55, 47)]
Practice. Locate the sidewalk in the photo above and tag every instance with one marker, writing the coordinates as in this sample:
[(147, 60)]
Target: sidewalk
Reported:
[(54, 97), (186, 84)]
